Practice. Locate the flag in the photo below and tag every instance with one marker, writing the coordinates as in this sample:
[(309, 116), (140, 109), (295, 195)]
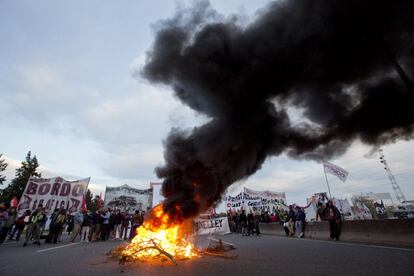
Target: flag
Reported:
[(83, 203), (14, 202), (100, 201), (335, 170)]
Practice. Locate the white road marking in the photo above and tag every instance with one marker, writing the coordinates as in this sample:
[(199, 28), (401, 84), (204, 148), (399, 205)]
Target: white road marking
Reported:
[(361, 245), (57, 247)]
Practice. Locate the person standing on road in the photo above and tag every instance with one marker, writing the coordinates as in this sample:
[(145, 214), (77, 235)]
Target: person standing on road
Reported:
[(124, 225), (299, 221), (290, 222), (86, 225), (8, 223), (77, 224), (105, 225), (35, 224), (256, 222), (250, 223), (19, 226), (320, 214), (334, 218), (57, 227), (117, 224), (136, 222), (243, 222)]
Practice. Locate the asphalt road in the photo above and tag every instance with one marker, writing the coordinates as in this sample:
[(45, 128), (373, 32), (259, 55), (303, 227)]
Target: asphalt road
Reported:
[(263, 255)]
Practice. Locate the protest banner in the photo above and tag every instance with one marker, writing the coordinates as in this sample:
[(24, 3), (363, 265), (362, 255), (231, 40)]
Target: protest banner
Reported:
[(218, 225), (126, 198), (53, 193), (263, 200), (157, 196), (234, 202), (344, 208)]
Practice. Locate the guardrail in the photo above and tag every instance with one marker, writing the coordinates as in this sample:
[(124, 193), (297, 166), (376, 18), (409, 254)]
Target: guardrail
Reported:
[(387, 232)]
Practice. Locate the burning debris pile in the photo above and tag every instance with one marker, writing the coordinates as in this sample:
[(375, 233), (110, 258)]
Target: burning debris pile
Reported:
[(160, 238)]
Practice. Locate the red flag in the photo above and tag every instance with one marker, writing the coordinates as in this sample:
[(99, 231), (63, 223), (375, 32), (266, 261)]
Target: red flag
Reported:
[(100, 201), (83, 203), (14, 202)]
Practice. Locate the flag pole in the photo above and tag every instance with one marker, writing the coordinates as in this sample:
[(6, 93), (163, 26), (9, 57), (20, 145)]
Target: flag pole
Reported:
[(327, 183)]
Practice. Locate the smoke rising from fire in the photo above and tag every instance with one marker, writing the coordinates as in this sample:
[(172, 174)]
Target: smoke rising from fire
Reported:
[(336, 60)]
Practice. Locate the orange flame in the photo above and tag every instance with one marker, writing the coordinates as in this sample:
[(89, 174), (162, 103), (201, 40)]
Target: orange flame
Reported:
[(167, 235)]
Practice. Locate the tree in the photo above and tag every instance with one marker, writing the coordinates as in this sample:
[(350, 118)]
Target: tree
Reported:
[(91, 202), (17, 185), (3, 166)]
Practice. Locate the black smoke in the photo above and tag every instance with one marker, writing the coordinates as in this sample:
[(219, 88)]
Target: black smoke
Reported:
[(346, 64)]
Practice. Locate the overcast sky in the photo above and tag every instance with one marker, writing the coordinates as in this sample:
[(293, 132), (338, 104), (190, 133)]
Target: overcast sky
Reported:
[(69, 94)]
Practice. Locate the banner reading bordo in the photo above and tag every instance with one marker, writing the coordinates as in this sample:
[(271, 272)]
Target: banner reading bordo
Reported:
[(218, 225), (53, 193)]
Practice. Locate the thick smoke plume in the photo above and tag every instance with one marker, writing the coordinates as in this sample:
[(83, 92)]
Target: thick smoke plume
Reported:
[(346, 64)]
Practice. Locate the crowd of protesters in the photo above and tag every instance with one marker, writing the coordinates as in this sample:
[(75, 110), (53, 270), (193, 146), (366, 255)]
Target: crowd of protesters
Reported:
[(293, 220), (84, 226), (249, 223)]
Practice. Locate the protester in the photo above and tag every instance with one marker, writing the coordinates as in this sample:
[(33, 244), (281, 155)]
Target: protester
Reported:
[(289, 225), (243, 222), (86, 226), (334, 217), (57, 226), (8, 222), (250, 223), (70, 222), (112, 217), (4, 215), (35, 225), (136, 222), (257, 218), (320, 214), (105, 225), (124, 225), (77, 224), (53, 217), (19, 226), (96, 226), (300, 220), (117, 224)]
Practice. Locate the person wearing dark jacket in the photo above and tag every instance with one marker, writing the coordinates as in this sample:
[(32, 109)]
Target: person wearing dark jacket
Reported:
[(334, 218), (19, 226), (289, 224), (250, 223), (299, 221), (86, 226), (243, 222), (320, 214)]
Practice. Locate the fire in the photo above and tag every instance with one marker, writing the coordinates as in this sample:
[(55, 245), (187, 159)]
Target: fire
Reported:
[(160, 237)]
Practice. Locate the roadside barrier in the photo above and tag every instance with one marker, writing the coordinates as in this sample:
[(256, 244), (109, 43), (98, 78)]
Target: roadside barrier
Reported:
[(387, 232)]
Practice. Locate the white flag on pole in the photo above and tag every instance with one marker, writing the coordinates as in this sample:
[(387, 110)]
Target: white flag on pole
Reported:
[(335, 170)]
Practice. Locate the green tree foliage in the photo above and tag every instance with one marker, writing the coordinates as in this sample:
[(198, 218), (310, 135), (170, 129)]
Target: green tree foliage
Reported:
[(3, 166), (91, 202), (16, 187)]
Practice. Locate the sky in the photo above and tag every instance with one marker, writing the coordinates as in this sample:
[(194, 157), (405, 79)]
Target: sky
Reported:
[(70, 93)]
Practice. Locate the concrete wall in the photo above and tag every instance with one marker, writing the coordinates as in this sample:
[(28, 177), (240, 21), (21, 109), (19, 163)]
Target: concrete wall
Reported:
[(387, 232)]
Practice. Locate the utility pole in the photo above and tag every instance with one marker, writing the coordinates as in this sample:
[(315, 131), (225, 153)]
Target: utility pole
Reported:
[(397, 190)]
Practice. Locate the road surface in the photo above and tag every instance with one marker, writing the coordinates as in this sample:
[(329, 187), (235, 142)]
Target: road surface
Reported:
[(263, 255)]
